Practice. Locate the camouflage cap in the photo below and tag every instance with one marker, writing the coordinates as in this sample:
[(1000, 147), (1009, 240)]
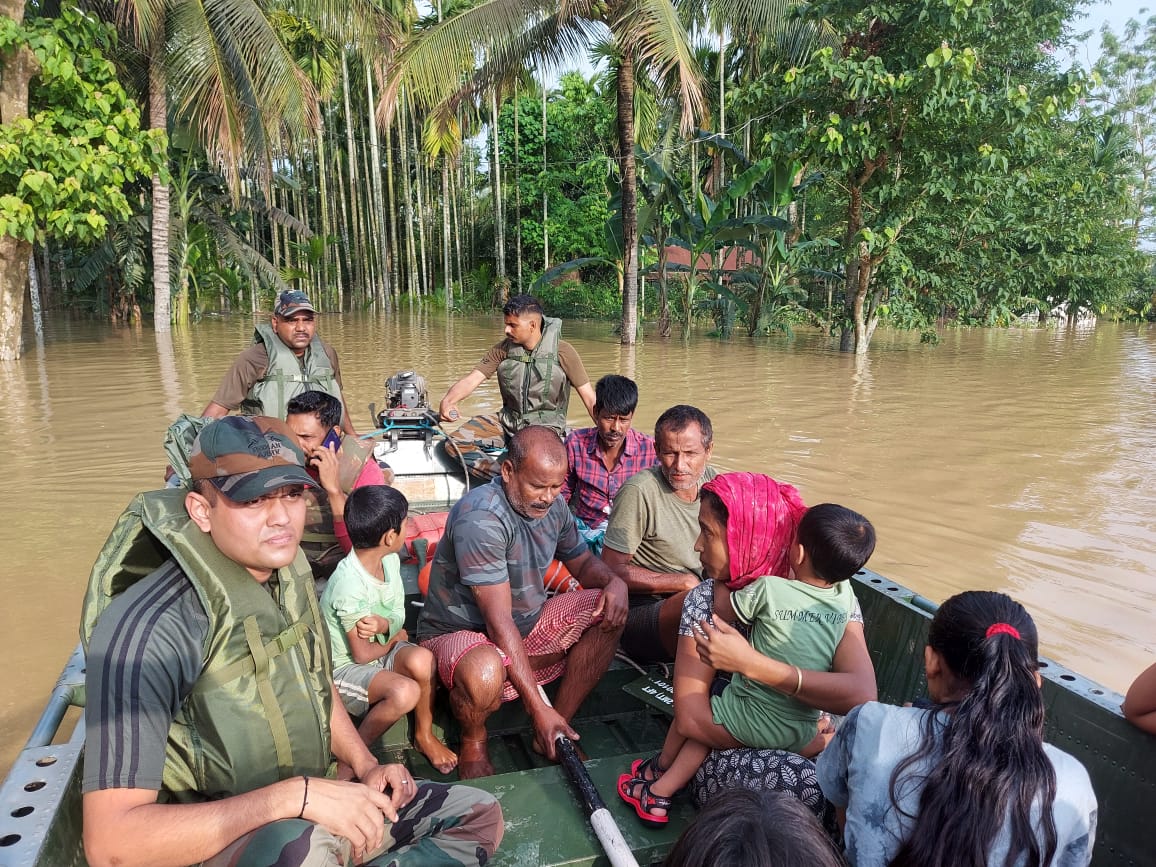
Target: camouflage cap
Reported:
[(291, 302), (246, 457)]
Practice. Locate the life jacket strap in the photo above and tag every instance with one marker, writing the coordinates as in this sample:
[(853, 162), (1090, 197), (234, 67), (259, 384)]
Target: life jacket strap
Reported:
[(276, 719)]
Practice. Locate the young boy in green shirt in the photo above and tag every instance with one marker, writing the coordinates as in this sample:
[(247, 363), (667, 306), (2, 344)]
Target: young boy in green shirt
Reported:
[(380, 675)]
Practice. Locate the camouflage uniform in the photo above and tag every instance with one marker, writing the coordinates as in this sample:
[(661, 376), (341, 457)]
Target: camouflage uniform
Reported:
[(443, 824)]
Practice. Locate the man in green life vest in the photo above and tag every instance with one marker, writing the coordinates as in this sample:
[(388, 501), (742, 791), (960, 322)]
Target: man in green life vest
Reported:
[(286, 358), (535, 368), (211, 715)]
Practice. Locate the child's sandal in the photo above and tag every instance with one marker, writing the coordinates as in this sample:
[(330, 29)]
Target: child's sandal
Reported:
[(647, 770), (645, 802)]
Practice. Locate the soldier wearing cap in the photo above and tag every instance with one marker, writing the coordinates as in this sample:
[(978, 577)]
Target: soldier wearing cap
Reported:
[(286, 358), (211, 715)]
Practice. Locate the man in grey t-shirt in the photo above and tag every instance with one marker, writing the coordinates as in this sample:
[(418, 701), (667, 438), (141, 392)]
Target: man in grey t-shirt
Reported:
[(486, 618), (652, 530)]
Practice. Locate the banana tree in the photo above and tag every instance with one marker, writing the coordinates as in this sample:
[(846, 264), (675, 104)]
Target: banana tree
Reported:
[(710, 232)]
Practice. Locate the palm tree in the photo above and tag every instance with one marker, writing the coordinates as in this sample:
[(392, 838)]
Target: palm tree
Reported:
[(438, 70), (648, 37), (234, 84)]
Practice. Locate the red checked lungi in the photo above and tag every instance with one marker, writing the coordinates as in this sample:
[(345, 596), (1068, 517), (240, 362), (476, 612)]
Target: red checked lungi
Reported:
[(563, 620)]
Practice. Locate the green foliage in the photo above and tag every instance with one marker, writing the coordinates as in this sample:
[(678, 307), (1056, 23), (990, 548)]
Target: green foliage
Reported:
[(597, 299), (1126, 92), (961, 180), (64, 170), (578, 134)]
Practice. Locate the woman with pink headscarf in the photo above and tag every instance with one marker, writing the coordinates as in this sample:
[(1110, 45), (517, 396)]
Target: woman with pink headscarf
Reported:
[(782, 571)]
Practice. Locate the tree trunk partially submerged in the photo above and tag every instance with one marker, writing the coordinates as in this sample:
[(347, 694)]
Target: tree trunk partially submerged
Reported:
[(17, 67), (856, 333), (625, 89), (158, 119), (13, 287)]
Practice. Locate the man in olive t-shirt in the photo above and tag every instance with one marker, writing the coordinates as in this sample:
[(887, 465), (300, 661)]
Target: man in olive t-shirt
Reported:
[(652, 530)]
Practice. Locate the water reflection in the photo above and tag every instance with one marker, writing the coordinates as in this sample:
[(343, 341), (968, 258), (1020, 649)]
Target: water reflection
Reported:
[(1015, 460), (169, 380)]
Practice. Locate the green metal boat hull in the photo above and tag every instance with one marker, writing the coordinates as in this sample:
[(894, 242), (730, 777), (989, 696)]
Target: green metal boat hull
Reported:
[(624, 718)]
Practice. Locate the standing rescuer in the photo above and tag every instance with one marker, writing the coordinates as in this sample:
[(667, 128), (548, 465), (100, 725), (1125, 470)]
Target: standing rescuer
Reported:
[(535, 368), (285, 359)]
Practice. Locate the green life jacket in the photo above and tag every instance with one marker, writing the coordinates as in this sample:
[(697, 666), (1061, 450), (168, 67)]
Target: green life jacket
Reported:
[(320, 541), (533, 385), (260, 710), (287, 375)]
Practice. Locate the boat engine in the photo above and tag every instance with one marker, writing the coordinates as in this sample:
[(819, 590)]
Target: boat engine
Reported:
[(406, 389), (407, 413)]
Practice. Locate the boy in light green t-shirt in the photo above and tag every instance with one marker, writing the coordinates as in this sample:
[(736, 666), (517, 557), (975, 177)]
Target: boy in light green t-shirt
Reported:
[(379, 674)]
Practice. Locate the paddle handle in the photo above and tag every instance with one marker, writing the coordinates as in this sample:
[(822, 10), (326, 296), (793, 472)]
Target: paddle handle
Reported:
[(617, 850), (576, 771)]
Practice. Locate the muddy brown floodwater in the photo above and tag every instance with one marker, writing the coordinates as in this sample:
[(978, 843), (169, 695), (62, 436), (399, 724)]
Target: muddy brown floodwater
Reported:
[(1022, 461)]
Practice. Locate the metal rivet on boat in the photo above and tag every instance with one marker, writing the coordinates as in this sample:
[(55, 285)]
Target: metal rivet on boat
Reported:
[(34, 786), (46, 761), (21, 812), (9, 839)]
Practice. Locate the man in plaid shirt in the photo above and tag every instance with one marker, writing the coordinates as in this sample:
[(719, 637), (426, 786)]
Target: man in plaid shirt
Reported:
[(603, 457)]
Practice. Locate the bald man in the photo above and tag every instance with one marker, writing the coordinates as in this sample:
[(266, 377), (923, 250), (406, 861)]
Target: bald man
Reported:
[(487, 620)]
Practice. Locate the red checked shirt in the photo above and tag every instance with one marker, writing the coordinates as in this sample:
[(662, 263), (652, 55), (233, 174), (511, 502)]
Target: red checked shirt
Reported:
[(590, 488)]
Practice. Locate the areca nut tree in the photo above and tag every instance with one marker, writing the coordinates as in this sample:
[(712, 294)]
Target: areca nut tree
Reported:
[(234, 85), (439, 71)]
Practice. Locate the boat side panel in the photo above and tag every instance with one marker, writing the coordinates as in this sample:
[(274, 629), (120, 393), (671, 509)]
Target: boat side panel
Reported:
[(40, 806)]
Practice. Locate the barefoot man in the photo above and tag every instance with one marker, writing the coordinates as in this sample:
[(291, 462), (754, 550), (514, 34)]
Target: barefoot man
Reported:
[(487, 619)]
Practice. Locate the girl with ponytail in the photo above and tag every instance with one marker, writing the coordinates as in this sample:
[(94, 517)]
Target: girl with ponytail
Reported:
[(968, 781)]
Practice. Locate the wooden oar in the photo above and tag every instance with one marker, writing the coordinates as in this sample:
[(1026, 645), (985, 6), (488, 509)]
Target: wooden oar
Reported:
[(605, 828)]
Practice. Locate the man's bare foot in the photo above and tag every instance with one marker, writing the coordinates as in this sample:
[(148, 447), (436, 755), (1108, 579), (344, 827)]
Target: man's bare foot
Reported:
[(474, 760), (440, 756)]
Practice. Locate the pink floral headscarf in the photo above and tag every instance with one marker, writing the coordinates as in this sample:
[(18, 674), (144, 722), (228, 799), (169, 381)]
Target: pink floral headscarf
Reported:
[(762, 519)]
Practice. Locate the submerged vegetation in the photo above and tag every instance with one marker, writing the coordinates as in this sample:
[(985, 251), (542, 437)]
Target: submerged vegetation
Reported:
[(755, 164)]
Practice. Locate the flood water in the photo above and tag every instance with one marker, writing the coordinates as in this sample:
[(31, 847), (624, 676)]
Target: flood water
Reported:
[(1022, 461)]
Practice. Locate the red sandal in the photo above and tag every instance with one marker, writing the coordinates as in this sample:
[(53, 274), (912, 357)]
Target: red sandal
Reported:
[(640, 768), (645, 802)]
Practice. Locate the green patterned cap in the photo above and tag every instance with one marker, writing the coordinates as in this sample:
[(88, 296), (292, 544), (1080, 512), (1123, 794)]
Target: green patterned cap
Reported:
[(247, 457), (291, 302)]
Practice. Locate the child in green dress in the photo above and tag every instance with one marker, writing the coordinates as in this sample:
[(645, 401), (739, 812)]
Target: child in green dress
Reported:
[(781, 570)]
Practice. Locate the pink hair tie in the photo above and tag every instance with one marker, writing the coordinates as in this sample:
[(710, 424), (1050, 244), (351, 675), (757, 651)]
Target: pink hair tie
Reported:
[(1002, 628)]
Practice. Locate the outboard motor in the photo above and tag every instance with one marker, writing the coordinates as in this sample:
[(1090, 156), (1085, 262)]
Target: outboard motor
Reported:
[(406, 389), (407, 414)]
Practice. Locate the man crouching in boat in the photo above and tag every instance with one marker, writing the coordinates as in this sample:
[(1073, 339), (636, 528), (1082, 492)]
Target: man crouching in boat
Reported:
[(487, 619), (211, 711)]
